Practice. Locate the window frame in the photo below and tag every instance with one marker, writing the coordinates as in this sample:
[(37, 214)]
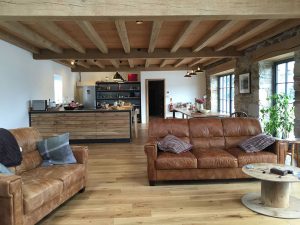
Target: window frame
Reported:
[(231, 95)]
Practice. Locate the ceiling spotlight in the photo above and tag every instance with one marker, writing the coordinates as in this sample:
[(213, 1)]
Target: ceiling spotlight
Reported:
[(139, 22), (72, 62), (187, 74), (193, 73), (198, 71)]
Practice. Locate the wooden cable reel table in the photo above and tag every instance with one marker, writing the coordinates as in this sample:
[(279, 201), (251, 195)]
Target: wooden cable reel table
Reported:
[(274, 199)]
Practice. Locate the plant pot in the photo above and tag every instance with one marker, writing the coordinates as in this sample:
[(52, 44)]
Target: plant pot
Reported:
[(199, 106)]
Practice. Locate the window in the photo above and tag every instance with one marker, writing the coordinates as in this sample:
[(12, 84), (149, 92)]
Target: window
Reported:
[(226, 94), (284, 78), (58, 91)]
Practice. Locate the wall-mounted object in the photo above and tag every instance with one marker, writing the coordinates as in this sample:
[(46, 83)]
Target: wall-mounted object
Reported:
[(244, 83), (132, 77)]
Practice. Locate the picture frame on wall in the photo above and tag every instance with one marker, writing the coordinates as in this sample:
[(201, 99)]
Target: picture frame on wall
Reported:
[(244, 83)]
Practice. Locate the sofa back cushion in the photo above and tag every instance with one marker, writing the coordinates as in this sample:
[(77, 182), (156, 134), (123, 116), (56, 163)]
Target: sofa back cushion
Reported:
[(237, 130), (207, 133), (159, 128), (27, 139)]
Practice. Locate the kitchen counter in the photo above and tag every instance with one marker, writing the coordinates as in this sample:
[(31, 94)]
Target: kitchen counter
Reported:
[(84, 125)]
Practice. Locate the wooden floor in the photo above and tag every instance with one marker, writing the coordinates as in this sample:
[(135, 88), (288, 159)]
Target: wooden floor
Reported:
[(118, 193)]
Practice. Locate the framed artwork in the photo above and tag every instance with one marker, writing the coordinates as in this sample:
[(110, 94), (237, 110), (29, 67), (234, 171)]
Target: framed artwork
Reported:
[(244, 83)]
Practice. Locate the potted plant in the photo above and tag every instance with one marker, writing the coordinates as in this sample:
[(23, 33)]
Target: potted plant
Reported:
[(278, 119)]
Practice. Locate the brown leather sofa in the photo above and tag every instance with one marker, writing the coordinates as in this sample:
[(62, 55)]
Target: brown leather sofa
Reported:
[(28, 196), (215, 153)]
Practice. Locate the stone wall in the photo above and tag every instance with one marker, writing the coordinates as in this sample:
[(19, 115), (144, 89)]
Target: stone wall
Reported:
[(265, 83), (297, 94), (212, 93)]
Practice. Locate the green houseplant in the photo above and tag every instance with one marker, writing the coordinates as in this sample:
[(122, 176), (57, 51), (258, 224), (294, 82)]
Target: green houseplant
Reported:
[(278, 119)]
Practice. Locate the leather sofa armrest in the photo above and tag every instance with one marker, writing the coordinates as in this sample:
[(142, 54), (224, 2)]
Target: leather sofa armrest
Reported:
[(280, 148), (150, 149), (11, 200), (80, 153)]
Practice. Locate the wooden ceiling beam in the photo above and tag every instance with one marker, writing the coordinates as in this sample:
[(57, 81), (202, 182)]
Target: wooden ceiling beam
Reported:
[(188, 28), (127, 68), (18, 42), (195, 62), (214, 33), (138, 54), (209, 62), (97, 63), (31, 36), (283, 26), (147, 63), (178, 63), (82, 63), (122, 31), (115, 63), (92, 34), (130, 62), (163, 63), (156, 26), (250, 29), (62, 35)]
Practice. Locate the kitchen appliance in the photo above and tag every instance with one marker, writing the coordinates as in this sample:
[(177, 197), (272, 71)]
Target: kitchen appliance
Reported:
[(38, 105), (89, 97)]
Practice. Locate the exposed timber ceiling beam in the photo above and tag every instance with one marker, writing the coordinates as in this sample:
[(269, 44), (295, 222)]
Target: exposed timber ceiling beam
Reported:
[(122, 31), (92, 34), (195, 62), (115, 63), (246, 31), (130, 62), (31, 36), (154, 34), (147, 63), (97, 63), (214, 33), (82, 63), (138, 54), (127, 68), (163, 63), (62, 35), (179, 62), (188, 28)]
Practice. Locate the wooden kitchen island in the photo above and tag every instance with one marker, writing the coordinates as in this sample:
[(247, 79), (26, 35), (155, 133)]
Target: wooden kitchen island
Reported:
[(84, 125)]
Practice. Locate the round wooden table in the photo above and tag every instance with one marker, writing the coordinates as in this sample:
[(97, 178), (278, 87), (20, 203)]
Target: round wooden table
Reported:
[(274, 199)]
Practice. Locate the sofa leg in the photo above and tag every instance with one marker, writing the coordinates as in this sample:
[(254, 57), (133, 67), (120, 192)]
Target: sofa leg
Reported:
[(151, 183), (82, 190)]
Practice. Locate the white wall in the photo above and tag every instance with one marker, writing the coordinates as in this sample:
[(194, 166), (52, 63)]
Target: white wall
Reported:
[(22, 79), (180, 88)]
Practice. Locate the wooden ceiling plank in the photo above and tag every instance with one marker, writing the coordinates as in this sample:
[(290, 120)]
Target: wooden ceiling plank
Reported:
[(18, 42), (283, 26), (115, 63), (97, 63), (178, 63), (82, 63), (127, 68), (122, 31), (253, 27), (163, 63), (211, 61), (62, 35), (188, 28), (156, 26), (92, 34), (130, 62), (216, 32), (62, 62), (30, 35), (118, 54)]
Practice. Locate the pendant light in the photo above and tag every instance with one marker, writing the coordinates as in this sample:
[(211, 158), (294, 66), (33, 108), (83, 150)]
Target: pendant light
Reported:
[(193, 73), (187, 74), (118, 77), (198, 71)]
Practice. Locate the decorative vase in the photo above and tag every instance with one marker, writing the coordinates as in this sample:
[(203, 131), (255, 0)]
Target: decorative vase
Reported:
[(199, 106)]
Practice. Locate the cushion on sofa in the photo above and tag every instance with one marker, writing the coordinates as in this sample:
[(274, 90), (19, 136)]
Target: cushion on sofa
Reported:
[(171, 143), (167, 160), (5, 170), (38, 191), (257, 143), (215, 158), (245, 158)]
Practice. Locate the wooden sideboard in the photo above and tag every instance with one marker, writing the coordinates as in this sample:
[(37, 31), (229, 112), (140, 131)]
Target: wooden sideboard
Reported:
[(84, 125)]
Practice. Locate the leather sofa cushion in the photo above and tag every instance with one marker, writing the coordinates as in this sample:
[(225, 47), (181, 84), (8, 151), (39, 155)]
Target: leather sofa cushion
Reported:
[(215, 158), (167, 160), (69, 174), (237, 130), (206, 133), (159, 128), (38, 191), (30, 161), (245, 158)]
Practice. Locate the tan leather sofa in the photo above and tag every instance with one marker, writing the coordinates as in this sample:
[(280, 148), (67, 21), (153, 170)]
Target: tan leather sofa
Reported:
[(215, 153), (28, 196)]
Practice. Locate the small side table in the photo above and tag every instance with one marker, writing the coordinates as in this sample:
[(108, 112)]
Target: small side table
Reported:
[(294, 150)]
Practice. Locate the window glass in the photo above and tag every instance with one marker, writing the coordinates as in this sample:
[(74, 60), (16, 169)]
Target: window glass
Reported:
[(226, 94)]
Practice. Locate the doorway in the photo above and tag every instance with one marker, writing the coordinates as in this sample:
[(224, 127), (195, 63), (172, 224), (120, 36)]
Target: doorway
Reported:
[(156, 98)]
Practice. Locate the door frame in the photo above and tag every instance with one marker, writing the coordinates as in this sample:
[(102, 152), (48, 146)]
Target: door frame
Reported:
[(147, 97)]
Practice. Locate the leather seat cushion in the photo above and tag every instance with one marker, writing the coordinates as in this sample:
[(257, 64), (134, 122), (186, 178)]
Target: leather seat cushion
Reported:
[(245, 158), (38, 191), (69, 174), (167, 160), (215, 158)]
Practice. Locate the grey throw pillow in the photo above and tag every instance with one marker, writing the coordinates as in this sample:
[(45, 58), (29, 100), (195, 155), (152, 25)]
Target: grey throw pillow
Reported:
[(257, 143), (56, 150), (5, 170), (171, 143)]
